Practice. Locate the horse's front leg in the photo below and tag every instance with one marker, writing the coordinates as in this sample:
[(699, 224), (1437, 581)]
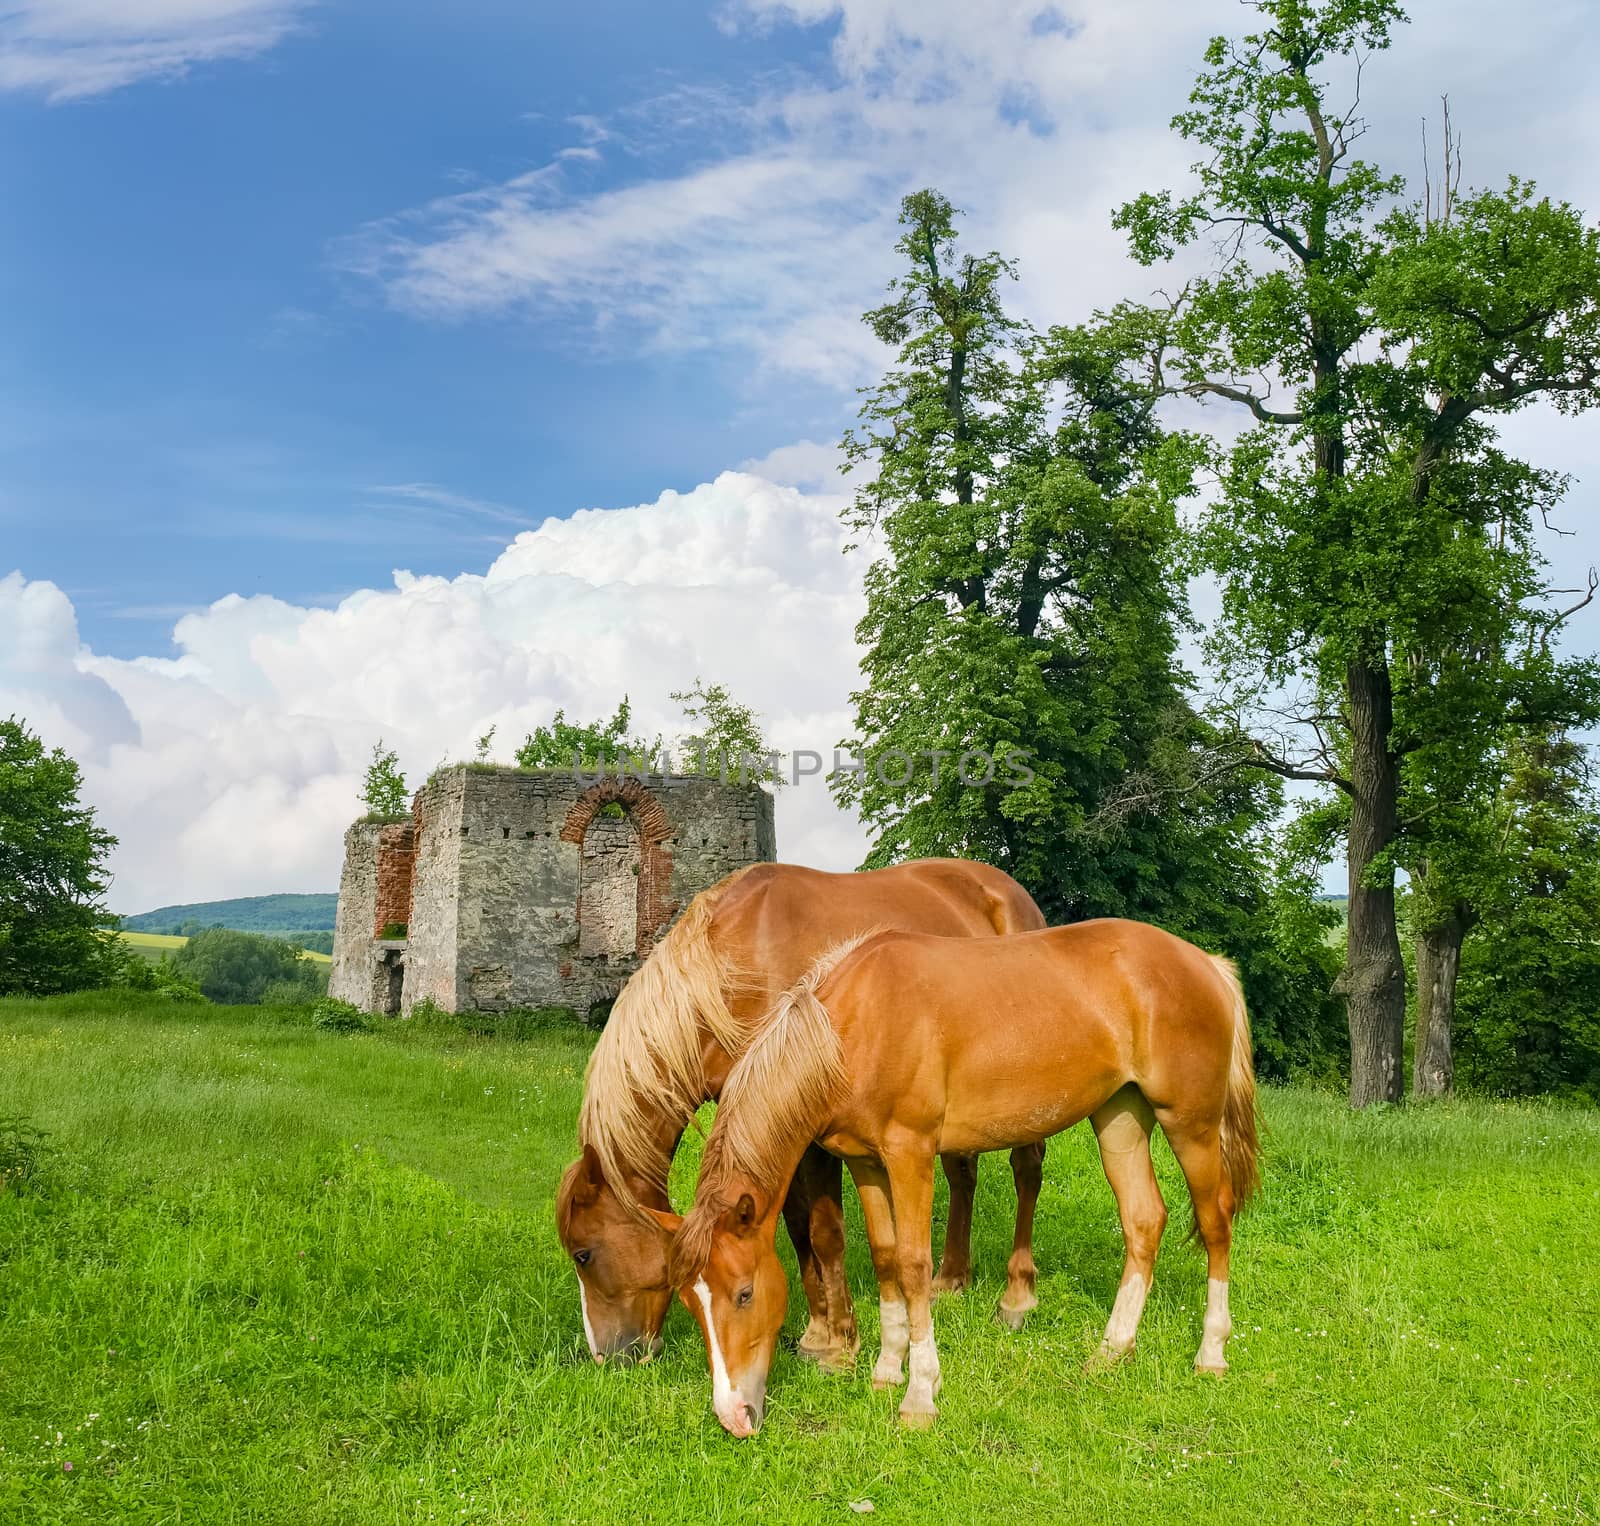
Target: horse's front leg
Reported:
[(872, 1185), (911, 1190)]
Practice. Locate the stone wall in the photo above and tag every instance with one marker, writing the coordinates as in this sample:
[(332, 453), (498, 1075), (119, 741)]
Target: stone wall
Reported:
[(350, 978), (536, 888)]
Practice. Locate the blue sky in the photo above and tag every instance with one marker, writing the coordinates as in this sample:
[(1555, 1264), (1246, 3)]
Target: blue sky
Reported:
[(201, 401), (404, 370)]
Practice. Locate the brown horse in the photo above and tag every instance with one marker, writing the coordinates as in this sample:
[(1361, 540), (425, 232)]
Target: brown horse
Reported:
[(673, 1035), (902, 1046)]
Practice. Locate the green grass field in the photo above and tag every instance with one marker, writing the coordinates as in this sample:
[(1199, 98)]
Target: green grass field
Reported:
[(273, 1275), (153, 946)]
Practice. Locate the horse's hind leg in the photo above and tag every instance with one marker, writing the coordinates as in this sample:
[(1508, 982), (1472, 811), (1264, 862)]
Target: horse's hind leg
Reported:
[(1022, 1276), (1199, 1152), (955, 1265), (814, 1214), (1122, 1129)]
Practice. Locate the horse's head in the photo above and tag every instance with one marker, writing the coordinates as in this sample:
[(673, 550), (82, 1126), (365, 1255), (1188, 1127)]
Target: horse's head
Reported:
[(621, 1260), (725, 1263)]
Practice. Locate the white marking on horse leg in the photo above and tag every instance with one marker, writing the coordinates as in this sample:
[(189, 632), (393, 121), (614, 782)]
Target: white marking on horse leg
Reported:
[(895, 1325), (1218, 1327), (926, 1379), (1122, 1329), (588, 1329)]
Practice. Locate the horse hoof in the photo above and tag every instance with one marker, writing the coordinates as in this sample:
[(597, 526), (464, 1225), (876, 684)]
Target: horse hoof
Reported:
[(838, 1361), (1013, 1319), (1106, 1360), (946, 1284), (1211, 1370), (918, 1419)]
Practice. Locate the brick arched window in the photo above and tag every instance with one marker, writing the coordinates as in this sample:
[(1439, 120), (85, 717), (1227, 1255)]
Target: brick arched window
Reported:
[(636, 848)]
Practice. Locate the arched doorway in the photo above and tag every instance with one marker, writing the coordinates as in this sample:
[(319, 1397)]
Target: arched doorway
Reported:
[(624, 869), (608, 886)]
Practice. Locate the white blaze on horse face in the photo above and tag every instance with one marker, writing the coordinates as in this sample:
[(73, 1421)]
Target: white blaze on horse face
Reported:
[(1218, 1327), (1123, 1326), (588, 1329), (723, 1399)]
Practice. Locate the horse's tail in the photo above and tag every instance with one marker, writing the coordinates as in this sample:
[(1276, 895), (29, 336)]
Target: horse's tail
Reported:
[(1240, 1142)]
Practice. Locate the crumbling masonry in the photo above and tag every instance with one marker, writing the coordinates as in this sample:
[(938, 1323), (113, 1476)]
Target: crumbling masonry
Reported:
[(517, 888)]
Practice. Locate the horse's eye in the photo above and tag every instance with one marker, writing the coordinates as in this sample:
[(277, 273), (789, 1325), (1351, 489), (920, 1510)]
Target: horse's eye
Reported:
[(582, 1257), (745, 1295)]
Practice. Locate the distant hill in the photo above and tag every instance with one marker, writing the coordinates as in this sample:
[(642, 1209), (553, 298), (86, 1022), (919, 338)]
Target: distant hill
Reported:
[(304, 919)]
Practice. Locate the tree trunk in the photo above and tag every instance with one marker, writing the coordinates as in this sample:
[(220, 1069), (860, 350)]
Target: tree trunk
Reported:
[(1373, 979), (1438, 965)]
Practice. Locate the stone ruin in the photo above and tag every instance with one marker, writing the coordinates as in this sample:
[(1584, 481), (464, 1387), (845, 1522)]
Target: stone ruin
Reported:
[(517, 888)]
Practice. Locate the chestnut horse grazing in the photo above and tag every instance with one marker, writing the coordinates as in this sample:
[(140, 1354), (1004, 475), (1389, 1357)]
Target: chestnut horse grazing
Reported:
[(674, 1032), (901, 1046)]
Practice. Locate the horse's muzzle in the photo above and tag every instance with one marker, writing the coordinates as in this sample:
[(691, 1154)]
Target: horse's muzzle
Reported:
[(635, 1353), (742, 1419)]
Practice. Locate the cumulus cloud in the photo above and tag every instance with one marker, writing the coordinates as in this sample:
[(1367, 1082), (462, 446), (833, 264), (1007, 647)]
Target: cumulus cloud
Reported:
[(69, 49), (233, 767)]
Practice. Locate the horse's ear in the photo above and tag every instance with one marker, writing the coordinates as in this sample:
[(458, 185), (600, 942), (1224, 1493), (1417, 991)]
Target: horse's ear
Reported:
[(589, 1178), (667, 1222), (744, 1217)]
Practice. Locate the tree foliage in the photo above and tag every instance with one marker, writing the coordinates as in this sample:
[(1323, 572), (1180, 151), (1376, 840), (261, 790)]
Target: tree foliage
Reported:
[(1528, 1015), (1372, 343), (725, 737), (52, 872), (384, 791), (244, 968), (1024, 702), (567, 744)]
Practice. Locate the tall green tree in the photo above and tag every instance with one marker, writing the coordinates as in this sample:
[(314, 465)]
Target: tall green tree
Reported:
[(1024, 702), (1483, 681), (1370, 345), (53, 876), (1529, 1007)]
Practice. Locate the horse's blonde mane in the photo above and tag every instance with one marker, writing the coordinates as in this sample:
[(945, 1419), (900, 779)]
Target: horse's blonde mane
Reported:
[(647, 1063), (777, 1094)]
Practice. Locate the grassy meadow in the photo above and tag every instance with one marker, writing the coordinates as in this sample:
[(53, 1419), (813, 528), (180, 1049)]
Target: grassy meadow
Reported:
[(262, 1273)]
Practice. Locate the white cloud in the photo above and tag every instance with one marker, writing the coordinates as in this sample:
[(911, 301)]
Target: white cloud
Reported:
[(233, 768), (1039, 122), (69, 49)]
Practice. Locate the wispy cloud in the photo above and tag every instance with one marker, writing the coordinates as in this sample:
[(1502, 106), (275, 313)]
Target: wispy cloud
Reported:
[(67, 50), (762, 223), (431, 497)]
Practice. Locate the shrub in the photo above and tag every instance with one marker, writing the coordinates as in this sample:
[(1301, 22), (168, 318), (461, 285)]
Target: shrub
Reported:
[(384, 790), (335, 1016), (241, 968), (161, 978)]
